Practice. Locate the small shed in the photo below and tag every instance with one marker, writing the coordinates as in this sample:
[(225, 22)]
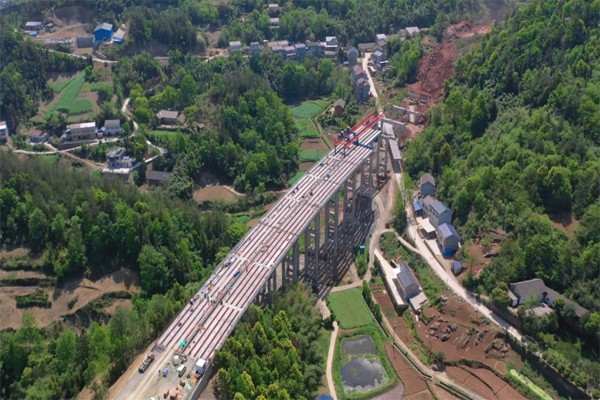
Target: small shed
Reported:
[(418, 208), (338, 107), (456, 267), (103, 32)]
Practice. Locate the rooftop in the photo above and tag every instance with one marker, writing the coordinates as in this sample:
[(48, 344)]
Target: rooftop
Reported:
[(427, 178), (82, 125), (417, 206), (274, 20), (412, 29), (116, 152), (33, 23), (167, 114), (340, 102), (405, 276), (377, 54), (236, 43), (158, 175), (353, 50), (418, 301), (112, 122), (104, 26), (428, 200), (537, 285), (2, 124), (426, 225), (439, 207), (35, 133), (448, 230), (358, 70)]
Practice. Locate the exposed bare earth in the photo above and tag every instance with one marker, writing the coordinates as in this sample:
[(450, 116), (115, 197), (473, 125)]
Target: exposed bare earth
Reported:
[(212, 193), (83, 290)]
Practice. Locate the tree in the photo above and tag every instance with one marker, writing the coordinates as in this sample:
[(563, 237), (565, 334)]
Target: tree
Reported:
[(592, 325), (399, 213), (189, 88), (500, 298), (439, 357), (37, 229), (154, 274), (105, 93)]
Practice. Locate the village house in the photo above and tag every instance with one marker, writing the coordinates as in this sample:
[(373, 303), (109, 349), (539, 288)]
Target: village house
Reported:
[(380, 43), (437, 213), (81, 132), (103, 33), (274, 22), (255, 48), (112, 126), (235, 46), (448, 239), (352, 57), (37, 137), (412, 31), (408, 286), (117, 159), (157, 177), (426, 185), (519, 292), (338, 107), (165, 117)]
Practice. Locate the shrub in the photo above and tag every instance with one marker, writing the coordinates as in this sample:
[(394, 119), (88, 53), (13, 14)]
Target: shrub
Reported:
[(39, 298), (596, 394)]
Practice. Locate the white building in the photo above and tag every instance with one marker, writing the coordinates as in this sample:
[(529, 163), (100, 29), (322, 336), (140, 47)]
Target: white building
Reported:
[(235, 46), (83, 131), (3, 132), (112, 126)]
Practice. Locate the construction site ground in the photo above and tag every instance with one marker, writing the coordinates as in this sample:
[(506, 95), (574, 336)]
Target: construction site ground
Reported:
[(435, 68)]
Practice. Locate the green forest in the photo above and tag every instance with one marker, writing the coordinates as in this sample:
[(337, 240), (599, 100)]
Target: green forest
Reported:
[(517, 138), (83, 225), (275, 354)]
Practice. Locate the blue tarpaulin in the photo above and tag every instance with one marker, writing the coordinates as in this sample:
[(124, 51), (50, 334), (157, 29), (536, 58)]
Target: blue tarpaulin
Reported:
[(417, 206)]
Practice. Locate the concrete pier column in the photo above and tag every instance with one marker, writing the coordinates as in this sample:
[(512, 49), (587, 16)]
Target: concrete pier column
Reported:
[(332, 208), (312, 247), (350, 195)]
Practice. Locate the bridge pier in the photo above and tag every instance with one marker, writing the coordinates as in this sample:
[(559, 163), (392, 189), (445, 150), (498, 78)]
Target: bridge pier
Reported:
[(332, 208), (312, 247), (381, 157), (350, 195)]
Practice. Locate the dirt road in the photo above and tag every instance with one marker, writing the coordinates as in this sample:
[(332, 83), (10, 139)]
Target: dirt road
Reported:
[(329, 371)]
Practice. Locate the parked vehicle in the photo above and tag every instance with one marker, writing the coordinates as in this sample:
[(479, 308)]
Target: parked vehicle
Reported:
[(146, 363), (181, 370)]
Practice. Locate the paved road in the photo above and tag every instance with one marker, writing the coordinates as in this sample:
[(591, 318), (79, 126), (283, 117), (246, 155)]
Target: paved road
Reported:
[(365, 64)]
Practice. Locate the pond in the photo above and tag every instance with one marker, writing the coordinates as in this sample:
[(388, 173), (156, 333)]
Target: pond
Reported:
[(360, 345), (360, 368)]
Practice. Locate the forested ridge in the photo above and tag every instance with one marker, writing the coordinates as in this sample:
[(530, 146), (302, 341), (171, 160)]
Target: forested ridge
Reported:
[(518, 137), (83, 225)]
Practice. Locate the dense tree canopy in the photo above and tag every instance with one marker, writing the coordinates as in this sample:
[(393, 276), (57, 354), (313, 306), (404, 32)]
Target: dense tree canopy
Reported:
[(275, 354), (518, 138)]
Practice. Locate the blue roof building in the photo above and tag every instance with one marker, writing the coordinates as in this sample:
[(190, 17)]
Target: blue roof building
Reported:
[(448, 239), (103, 33), (323, 397), (456, 267)]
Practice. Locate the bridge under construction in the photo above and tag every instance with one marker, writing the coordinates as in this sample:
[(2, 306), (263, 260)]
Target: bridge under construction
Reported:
[(331, 190)]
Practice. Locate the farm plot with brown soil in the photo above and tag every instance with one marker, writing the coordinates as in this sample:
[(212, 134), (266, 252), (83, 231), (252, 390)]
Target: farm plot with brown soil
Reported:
[(442, 394), (483, 382), (214, 193), (414, 384), (314, 144), (388, 310), (460, 332)]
